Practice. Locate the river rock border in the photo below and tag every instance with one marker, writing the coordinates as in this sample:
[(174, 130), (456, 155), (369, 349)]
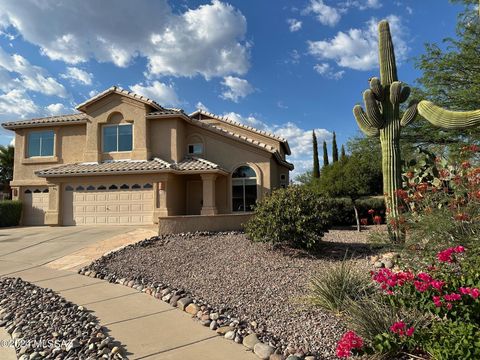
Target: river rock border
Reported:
[(44, 325), (224, 323)]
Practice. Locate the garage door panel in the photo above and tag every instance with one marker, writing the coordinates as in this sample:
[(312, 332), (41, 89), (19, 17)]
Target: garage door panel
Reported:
[(113, 205), (35, 205)]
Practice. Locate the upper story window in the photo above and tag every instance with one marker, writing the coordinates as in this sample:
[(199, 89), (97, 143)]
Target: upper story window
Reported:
[(117, 137), (195, 149), (41, 143)]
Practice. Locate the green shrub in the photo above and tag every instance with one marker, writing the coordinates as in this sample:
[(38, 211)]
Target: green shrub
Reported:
[(294, 216), (331, 290), (342, 213), (372, 203), (451, 340), (10, 212)]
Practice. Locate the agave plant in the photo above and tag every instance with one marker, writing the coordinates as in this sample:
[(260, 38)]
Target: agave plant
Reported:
[(382, 118)]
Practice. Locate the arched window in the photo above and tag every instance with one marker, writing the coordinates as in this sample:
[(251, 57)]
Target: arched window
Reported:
[(244, 189)]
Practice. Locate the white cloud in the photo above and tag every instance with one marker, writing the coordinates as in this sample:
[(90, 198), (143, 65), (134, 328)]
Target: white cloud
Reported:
[(92, 93), (300, 140), (236, 88), (30, 77), (16, 102), (12, 142), (294, 24), (363, 4), (247, 120), (78, 75), (162, 93), (201, 106), (326, 70), (55, 109), (358, 48), (208, 40), (327, 15), (410, 10)]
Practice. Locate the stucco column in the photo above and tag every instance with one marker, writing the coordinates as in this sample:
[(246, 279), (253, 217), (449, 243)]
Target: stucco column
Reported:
[(208, 181), (140, 139), (92, 153), (162, 207), (52, 217)]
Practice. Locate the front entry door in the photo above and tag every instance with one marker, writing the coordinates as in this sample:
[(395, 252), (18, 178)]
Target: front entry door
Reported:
[(194, 197)]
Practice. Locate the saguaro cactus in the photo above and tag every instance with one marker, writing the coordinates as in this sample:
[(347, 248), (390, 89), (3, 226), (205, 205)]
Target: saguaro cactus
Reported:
[(382, 118)]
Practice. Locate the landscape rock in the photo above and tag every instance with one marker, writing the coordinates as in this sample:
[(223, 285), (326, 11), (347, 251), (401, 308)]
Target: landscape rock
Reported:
[(224, 329), (230, 335), (263, 351), (250, 341), (39, 316), (192, 309), (184, 302)]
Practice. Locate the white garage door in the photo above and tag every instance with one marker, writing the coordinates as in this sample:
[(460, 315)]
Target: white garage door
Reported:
[(90, 204), (35, 205)]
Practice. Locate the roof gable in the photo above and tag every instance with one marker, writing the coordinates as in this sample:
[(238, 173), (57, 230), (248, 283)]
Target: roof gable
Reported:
[(198, 114), (79, 118), (122, 92)]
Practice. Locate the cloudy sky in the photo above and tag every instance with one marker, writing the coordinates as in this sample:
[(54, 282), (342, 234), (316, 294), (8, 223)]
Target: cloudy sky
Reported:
[(283, 66)]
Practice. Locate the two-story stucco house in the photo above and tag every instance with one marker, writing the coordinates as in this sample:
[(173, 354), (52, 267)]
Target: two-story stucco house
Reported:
[(124, 159)]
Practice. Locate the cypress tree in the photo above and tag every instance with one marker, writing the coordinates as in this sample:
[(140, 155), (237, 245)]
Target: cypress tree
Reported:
[(325, 154), (334, 148), (316, 162), (343, 156)]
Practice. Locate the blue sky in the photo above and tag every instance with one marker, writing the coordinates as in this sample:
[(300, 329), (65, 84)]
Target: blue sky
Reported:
[(283, 66)]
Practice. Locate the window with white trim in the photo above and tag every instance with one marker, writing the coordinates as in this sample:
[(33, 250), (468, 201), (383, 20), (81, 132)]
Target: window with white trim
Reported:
[(41, 143), (117, 138), (244, 189)]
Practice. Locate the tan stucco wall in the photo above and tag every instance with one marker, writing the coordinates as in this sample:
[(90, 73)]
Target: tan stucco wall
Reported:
[(69, 148), (167, 139), (107, 111), (224, 222)]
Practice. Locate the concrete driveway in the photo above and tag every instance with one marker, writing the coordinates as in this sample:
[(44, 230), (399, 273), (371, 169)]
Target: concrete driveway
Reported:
[(146, 327), (27, 247)]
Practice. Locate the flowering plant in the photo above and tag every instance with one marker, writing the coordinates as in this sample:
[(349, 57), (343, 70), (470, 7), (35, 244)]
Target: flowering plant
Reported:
[(446, 291)]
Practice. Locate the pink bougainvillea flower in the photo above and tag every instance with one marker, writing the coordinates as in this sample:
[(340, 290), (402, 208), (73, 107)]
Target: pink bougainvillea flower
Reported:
[(410, 331), (424, 277), (398, 328), (452, 297), (437, 284), (437, 301), (446, 255), (349, 341), (475, 293)]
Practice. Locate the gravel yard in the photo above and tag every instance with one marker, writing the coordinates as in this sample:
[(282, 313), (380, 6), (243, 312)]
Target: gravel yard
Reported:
[(46, 326), (248, 280)]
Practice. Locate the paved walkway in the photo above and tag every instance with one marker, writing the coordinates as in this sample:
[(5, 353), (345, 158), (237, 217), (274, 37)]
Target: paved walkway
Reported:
[(148, 328)]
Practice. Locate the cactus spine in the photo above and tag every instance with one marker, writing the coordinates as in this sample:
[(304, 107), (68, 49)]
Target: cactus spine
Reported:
[(382, 118)]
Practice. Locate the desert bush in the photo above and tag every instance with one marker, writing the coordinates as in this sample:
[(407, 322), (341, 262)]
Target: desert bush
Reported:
[(331, 290), (294, 216), (443, 202), (452, 340), (10, 213), (342, 213)]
